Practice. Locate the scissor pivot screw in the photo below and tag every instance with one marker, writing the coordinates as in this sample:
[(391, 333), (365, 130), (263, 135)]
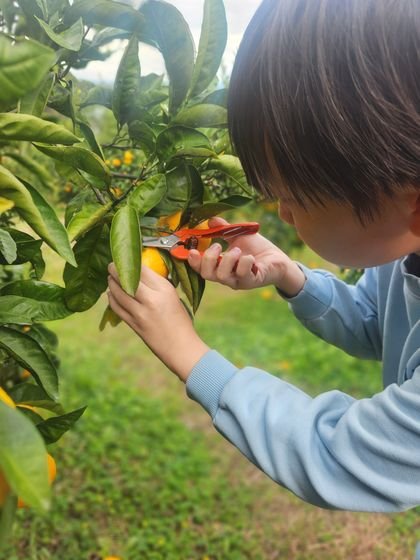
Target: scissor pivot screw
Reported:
[(164, 241), (191, 243)]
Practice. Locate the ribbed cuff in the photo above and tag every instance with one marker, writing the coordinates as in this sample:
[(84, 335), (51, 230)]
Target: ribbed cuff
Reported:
[(315, 297), (208, 379)]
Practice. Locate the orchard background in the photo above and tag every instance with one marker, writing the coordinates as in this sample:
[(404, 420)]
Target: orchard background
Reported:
[(86, 170)]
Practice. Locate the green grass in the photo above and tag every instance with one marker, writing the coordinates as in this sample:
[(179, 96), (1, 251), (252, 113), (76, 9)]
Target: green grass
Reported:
[(144, 476)]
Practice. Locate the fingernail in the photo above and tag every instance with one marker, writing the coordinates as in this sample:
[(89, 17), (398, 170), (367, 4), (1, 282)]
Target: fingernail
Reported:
[(215, 247)]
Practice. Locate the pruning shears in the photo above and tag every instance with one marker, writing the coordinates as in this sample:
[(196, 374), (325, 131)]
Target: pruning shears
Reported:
[(180, 242)]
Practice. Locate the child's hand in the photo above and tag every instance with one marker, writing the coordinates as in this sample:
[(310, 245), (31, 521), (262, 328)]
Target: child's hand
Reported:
[(274, 266), (159, 318)]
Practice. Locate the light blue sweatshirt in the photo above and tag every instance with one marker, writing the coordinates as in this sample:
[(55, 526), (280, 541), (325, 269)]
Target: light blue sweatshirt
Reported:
[(332, 450)]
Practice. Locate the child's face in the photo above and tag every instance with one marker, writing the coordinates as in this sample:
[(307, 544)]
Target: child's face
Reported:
[(334, 232)]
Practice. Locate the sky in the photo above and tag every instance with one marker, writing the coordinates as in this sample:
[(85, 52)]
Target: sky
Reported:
[(238, 12)]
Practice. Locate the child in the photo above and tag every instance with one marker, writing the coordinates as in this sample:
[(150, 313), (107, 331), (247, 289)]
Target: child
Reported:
[(324, 115)]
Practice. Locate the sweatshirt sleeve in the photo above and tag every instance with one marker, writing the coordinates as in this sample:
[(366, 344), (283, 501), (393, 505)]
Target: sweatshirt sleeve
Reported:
[(332, 451), (341, 314)]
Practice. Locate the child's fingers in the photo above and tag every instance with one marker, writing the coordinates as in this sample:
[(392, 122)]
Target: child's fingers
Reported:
[(153, 280), (112, 270), (244, 268), (209, 261), (194, 260), (121, 297), (227, 264)]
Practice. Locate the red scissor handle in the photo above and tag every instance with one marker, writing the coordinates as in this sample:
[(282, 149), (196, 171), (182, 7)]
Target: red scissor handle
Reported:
[(226, 232)]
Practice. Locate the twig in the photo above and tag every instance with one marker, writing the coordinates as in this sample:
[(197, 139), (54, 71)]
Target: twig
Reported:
[(98, 195), (106, 146), (125, 176)]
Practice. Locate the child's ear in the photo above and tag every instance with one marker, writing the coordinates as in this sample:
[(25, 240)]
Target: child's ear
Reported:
[(415, 214)]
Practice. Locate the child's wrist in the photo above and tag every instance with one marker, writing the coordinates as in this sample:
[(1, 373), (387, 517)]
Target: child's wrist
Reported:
[(292, 281), (188, 358)]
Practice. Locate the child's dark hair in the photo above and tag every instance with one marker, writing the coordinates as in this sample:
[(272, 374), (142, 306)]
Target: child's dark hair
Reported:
[(328, 91)]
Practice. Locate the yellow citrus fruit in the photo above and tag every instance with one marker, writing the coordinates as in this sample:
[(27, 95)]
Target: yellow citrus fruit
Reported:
[(203, 244), (52, 473), (153, 259), (170, 222), (128, 158), (25, 374)]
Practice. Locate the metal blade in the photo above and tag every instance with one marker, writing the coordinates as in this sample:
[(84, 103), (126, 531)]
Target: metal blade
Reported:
[(166, 242)]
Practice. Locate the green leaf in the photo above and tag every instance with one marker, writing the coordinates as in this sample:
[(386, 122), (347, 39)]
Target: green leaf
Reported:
[(218, 97), (61, 100), (203, 116), (98, 95), (30, 301), (232, 168), (184, 279), (23, 458), (110, 317), (127, 83), (34, 395), (86, 283), (78, 158), (7, 518), (23, 65), (192, 283), (126, 248), (70, 39), (211, 47), (16, 126), (107, 35), (53, 428), (34, 103), (166, 28), (90, 138), (33, 167), (142, 135), (28, 249), (211, 209), (104, 13), (179, 183), (36, 212), (88, 217), (53, 233), (46, 338), (34, 417), (198, 285), (29, 354), (148, 194), (197, 194), (8, 246), (180, 140)]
